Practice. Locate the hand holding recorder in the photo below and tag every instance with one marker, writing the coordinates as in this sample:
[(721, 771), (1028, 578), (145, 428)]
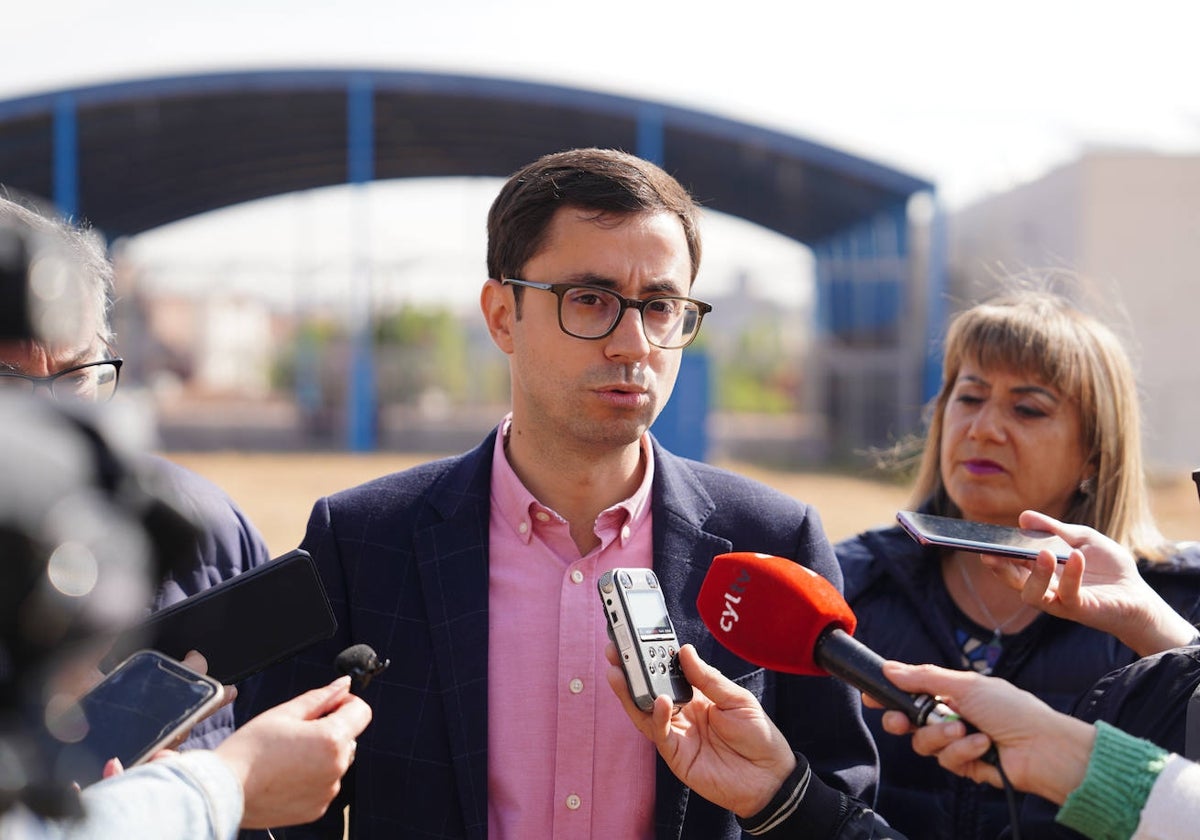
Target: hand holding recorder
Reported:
[(721, 744), (638, 624)]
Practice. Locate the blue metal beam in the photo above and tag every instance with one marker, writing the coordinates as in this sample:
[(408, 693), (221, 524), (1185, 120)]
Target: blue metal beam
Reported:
[(361, 394), (66, 155)]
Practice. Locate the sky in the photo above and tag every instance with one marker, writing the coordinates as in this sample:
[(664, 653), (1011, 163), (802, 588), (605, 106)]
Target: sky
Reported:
[(976, 97)]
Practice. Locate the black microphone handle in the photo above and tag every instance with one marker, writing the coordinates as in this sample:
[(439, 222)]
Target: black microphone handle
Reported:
[(851, 661)]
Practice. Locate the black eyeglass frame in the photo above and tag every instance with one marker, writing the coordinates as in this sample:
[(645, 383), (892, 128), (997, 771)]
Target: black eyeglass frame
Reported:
[(48, 381), (640, 304)]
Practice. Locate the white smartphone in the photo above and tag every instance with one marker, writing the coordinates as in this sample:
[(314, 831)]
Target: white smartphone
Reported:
[(146, 703), (637, 622), (981, 537)]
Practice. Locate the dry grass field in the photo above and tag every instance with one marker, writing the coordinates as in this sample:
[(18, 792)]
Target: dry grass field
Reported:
[(276, 490)]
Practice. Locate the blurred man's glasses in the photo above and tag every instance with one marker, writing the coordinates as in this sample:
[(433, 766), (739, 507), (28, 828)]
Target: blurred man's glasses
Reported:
[(592, 312), (92, 382)]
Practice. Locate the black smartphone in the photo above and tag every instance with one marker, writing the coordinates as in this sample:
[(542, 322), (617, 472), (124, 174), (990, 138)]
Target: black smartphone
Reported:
[(981, 537), (637, 622), (147, 702), (243, 624)]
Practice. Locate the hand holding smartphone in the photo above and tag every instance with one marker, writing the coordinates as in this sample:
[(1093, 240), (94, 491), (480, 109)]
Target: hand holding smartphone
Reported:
[(144, 705), (981, 537), (637, 622)]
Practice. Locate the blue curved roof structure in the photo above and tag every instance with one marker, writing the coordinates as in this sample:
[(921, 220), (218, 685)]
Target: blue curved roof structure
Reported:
[(152, 151), (135, 155)]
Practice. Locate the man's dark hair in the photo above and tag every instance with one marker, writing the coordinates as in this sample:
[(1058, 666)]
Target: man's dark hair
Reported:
[(604, 181)]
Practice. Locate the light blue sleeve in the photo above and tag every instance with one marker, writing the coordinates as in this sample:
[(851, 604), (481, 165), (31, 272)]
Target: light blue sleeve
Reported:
[(192, 796)]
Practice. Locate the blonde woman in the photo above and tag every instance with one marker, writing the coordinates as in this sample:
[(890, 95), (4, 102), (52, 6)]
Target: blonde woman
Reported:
[(1038, 410)]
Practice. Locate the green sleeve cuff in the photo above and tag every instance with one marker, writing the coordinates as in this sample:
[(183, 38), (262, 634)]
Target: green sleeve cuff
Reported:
[(1119, 776)]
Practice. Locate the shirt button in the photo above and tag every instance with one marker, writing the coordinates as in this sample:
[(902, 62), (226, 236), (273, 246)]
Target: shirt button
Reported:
[(576, 576), (576, 686), (542, 516), (573, 802), (523, 527), (625, 532)]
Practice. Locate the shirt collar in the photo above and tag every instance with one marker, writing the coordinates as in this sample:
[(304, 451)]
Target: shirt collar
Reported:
[(518, 507)]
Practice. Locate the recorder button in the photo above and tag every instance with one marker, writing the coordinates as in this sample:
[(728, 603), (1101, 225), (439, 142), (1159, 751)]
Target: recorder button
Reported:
[(623, 640)]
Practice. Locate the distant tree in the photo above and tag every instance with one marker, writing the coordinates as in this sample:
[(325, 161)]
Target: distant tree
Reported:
[(419, 351), (759, 374)]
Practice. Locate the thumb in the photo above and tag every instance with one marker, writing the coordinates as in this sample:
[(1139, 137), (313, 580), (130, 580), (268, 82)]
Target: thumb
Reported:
[(715, 686), (112, 767), (351, 716), (318, 702), (926, 679), (1075, 535)]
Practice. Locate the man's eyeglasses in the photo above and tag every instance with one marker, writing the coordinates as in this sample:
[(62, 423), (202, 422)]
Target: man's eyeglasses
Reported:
[(592, 312), (93, 381)]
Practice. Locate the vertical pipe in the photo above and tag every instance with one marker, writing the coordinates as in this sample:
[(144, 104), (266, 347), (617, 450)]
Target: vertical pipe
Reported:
[(360, 169), (66, 156), (935, 304)]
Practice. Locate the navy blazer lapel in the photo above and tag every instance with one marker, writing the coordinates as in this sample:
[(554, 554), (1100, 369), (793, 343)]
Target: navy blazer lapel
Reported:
[(683, 551), (452, 560)]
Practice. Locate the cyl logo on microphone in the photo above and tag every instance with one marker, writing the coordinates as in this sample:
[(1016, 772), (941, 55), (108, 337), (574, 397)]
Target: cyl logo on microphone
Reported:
[(737, 590)]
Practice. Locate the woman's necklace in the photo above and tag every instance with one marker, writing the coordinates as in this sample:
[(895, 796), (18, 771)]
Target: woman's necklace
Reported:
[(993, 646)]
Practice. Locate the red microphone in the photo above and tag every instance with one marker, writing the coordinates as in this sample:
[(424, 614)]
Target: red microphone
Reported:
[(786, 617)]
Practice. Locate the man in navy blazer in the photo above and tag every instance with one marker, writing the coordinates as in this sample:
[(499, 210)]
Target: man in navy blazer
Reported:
[(476, 575)]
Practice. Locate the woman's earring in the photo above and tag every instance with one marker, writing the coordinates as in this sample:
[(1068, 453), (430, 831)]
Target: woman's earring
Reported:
[(1087, 487)]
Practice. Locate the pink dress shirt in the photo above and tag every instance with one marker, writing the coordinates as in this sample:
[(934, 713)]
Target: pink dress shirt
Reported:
[(564, 761)]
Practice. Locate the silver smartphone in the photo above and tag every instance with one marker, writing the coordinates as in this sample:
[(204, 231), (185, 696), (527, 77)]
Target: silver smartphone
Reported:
[(146, 703), (981, 537), (637, 621)]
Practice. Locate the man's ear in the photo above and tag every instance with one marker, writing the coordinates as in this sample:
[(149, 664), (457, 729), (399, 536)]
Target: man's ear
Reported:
[(496, 303)]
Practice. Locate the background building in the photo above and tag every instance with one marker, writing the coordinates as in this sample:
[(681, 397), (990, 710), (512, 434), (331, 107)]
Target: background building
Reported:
[(1126, 225)]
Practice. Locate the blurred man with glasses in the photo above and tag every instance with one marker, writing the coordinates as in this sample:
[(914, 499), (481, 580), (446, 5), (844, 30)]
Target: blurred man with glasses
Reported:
[(477, 574), (90, 381), (84, 365)]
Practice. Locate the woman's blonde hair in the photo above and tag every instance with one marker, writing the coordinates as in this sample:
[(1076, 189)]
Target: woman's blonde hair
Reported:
[(1041, 334)]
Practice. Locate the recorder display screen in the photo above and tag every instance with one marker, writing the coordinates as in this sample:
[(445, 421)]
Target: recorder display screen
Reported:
[(648, 614)]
